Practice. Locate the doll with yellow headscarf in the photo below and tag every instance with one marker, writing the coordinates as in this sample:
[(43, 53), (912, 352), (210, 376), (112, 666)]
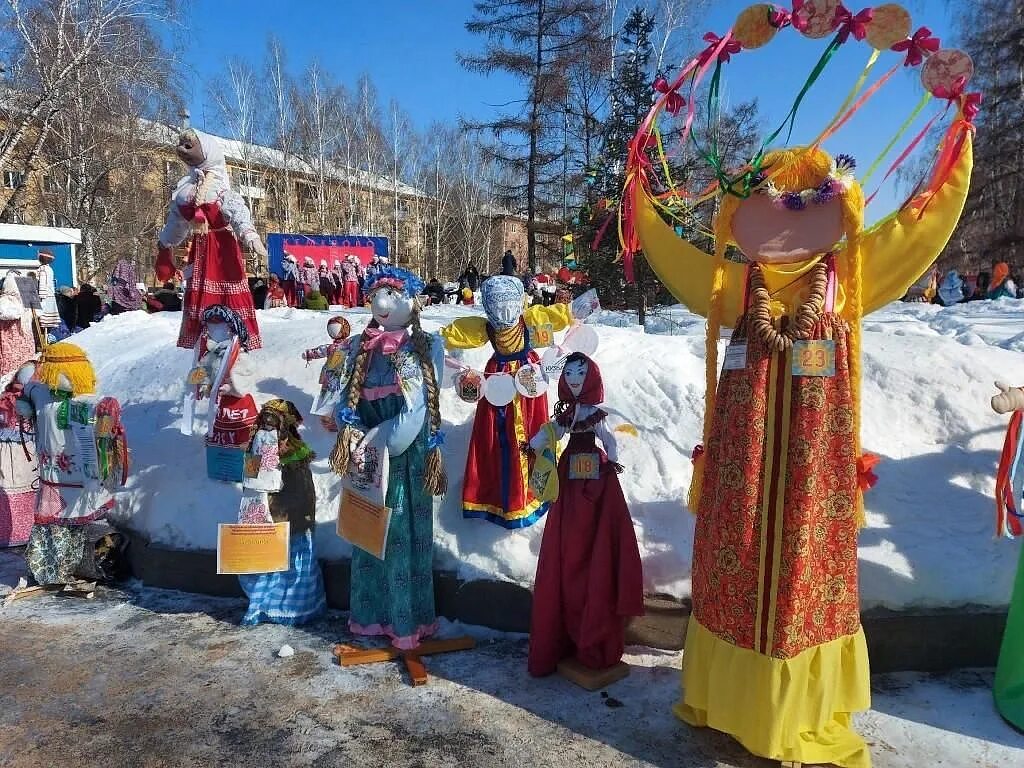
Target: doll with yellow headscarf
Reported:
[(775, 652)]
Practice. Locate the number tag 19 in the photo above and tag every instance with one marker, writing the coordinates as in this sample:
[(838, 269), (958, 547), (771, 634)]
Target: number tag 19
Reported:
[(814, 358)]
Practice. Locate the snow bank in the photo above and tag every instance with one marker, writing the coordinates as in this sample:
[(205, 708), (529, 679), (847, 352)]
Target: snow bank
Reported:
[(928, 375)]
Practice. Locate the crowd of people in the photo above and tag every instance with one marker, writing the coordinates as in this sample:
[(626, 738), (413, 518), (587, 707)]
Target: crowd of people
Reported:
[(955, 288)]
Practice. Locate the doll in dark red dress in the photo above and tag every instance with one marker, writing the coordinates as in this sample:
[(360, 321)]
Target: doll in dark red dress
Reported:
[(219, 222), (589, 579)]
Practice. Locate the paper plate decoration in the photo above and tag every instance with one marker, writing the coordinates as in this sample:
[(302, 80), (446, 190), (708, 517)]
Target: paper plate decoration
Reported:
[(530, 381), (946, 72), (583, 339), (500, 389), (889, 24), (469, 385), (816, 18), (754, 27)]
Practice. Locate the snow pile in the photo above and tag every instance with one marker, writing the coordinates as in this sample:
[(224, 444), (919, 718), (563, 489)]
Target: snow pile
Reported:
[(928, 376)]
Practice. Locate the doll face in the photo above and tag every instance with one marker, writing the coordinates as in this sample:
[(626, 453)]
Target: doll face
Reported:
[(391, 308), (771, 235), (189, 150), (218, 331), (575, 375), (270, 421)]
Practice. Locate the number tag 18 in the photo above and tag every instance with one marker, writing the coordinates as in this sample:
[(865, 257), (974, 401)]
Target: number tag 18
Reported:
[(584, 466), (814, 358)]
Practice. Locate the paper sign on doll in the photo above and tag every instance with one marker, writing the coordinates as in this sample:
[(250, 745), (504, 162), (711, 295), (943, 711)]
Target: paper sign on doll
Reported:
[(542, 335), (736, 356), (364, 524), (585, 466), (244, 549), (816, 357)]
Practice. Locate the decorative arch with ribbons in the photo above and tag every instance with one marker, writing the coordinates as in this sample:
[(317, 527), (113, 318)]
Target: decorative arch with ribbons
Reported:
[(646, 218)]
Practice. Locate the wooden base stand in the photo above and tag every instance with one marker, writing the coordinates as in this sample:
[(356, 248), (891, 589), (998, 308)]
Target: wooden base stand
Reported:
[(350, 656), (84, 589), (592, 679)]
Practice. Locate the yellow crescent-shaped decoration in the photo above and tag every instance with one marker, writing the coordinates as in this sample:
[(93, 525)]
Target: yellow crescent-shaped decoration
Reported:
[(895, 254)]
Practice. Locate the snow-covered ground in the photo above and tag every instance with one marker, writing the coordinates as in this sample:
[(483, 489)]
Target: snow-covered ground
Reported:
[(928, 376), (138, 668)]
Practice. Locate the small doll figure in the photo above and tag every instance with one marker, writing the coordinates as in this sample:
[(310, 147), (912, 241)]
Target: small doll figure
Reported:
[(325, 404), (262, 471), (295, 596), (215, 357), (76, 482), (277, 298), (217, 220), (390, 399), (589, 579)]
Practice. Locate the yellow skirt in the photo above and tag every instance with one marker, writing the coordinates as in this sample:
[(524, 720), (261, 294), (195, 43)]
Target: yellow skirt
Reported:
[(795, 709)]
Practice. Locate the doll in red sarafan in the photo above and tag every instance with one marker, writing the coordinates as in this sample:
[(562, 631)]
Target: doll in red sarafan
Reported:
[(589, 578), (218, 220)]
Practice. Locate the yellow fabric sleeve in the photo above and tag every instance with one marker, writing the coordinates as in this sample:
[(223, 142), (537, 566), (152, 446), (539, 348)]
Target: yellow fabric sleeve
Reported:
[(899, 252), (559, 315), (465, 333)]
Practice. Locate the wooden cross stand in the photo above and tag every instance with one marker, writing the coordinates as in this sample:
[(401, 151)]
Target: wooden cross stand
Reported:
[(350, 656)]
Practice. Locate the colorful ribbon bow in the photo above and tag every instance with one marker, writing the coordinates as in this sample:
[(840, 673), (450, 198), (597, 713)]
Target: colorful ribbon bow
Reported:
[(866, 477), (673, 100), (731, 47), (388, 342), (852, 25), (779, 18), (917, 47), (970, 105)]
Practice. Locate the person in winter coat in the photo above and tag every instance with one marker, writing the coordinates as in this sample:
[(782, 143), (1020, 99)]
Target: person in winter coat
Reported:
[(352, 271), (471, 277), (326, 284), (89, 305), (1002, 286), (67, 307), (435, 291), (124, 293), (310, 276), (291, 280), (509, 265), (951, 289), (315, 301)]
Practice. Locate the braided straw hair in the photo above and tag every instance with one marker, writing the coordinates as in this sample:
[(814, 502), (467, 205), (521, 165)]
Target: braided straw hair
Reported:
[(68, 360), (435, 480), (791, 170)]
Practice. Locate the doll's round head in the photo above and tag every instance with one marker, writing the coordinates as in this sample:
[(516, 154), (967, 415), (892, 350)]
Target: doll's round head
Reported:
[(338, 328), (391, 307), (269, 419), (575, 374), (218, 330), (189, 149), (504, 299)]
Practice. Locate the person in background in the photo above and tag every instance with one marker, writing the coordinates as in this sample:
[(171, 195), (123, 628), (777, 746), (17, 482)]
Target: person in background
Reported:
[(951, 289), (291, 280), (258, 288), (435, 291), (471, 277), (89, 305), (49, 317), (310, 277), (1001, 287), (980, 286), (372, 269), (67, 307), (509, 265), (337, 283), (124, 295), (353, 273), (168, 298), (315, 301), (326, 283), (467, 297), (275, 298)]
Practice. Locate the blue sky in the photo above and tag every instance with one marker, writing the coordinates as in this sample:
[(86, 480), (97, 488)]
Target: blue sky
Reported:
[(409, 50)]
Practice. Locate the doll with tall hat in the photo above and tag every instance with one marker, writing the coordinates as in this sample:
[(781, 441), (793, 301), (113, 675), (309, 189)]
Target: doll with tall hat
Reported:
[(280, 489), (83, 458), (775, 652), (216, 222), (589, 578), (496, 485), (389, 413)]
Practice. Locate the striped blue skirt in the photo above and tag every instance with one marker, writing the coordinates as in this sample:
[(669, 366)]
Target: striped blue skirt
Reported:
[(295, 596)]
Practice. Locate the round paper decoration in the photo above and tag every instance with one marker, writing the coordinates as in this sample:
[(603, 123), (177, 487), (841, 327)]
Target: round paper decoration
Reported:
[(943, 70), (890, 24), (338, 327), (753, 28), (500, 389), (530, 381), (583, 339), (817, 18), (469, 386)]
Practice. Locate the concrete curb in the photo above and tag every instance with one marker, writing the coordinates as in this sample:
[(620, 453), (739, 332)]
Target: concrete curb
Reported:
[(934, 640)]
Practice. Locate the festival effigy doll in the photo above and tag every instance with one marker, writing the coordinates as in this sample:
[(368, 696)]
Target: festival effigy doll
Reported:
[(279, 488), (390, 430), (589, 579), (17, 345), (1009, 682), (334, 355), (19, 469), (496, 484), (215, 219), (775, 652), (83, 459)]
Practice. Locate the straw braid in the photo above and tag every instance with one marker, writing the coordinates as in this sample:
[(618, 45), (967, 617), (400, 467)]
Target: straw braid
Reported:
[(342, 445), (435, 480)]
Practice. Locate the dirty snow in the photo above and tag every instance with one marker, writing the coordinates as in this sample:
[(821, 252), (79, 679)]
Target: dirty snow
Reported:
[(928, 376), (146, 677)]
